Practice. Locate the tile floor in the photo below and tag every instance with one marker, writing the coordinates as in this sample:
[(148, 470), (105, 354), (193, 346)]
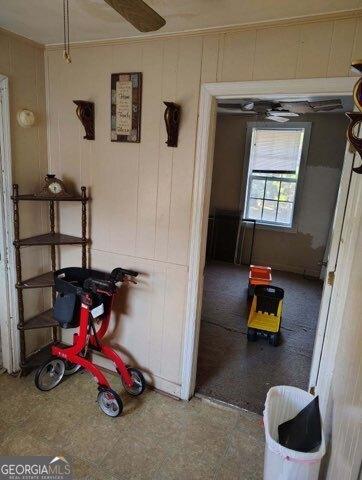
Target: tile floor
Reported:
[(156, 437)]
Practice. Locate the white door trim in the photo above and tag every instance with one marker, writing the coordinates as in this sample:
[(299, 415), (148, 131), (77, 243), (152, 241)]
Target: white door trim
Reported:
[(333, 255), (333, 329), (201, 188), (9, 319)]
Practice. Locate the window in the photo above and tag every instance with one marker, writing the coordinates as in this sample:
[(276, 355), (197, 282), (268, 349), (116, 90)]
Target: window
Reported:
[(274, 164)]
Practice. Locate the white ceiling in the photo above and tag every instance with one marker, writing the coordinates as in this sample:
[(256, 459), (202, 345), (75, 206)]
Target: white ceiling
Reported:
[(41, 20)]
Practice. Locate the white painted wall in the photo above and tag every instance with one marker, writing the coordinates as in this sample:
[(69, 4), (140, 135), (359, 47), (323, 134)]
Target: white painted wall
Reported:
[(142, 194)]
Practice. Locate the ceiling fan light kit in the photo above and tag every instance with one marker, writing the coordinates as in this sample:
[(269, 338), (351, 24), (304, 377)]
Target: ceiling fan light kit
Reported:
[(277, 119)]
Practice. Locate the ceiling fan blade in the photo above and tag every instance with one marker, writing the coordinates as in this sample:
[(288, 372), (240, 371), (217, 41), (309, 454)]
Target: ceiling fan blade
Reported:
[(282, 114), (235, 107), (139, 14), (277, 119), (247, 113), (327, 105), (231, 106), (297, 107)]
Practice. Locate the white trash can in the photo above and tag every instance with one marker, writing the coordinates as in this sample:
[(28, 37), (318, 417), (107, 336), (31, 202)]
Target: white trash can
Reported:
[(284, 403)]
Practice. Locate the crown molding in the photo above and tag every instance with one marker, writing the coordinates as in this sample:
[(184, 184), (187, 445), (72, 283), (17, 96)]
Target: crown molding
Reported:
[(341, 15), (16, 36)]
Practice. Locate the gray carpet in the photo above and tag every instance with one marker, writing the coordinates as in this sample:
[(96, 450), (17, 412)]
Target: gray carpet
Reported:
[(240, 372)]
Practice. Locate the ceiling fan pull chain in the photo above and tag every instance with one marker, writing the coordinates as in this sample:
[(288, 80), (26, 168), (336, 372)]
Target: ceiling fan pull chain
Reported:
[(66, 51)]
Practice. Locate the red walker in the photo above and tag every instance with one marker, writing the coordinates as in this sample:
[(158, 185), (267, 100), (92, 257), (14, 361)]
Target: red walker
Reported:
[(83, 296)]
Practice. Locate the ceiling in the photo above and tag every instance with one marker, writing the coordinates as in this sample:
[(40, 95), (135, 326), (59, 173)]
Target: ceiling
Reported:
[(41, 20), (347, 103)]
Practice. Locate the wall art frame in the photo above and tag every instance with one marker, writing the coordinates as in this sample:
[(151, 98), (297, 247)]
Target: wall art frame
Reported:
[(126, 107)]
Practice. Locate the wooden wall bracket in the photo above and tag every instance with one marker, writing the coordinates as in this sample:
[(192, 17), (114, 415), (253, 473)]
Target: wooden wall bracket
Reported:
[(356, 117), (172, 119), (85, 113)]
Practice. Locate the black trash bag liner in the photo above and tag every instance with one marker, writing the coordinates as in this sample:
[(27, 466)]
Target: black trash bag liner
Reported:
[(303, 433)]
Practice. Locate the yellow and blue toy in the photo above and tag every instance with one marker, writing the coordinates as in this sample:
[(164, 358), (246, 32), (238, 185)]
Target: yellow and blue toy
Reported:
[(266, 314)]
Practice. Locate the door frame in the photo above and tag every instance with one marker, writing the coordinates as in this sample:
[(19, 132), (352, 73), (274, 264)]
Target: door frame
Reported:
[(209, 94), (9, 315), (333, 255)]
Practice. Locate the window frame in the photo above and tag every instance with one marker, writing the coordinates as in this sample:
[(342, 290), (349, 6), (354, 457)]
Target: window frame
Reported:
[(244, 198)]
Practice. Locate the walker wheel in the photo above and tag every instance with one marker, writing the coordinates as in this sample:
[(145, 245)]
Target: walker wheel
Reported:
[(50, 374), (139, 382), (71, 368), (110, 402)]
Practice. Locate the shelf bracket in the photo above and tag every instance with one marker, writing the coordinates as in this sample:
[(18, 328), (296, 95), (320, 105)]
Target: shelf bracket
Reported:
[(85, 113)]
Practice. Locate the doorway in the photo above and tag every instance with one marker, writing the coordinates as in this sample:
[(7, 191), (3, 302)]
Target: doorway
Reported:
[(210, 96), (282, 173), (9, 338)]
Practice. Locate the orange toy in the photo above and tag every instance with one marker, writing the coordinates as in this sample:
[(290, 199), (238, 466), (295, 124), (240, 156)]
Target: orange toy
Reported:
[(258, 275)]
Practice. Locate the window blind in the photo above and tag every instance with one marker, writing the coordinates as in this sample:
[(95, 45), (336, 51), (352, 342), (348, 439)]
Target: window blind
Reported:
[(277, 150)]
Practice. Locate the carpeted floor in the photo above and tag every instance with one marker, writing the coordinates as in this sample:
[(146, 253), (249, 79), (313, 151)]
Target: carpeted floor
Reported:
[(233, 370)]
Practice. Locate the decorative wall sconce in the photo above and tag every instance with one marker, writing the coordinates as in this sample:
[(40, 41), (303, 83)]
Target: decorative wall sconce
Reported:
[(356, 117), (85, 113), (25, 118), (172, 120)]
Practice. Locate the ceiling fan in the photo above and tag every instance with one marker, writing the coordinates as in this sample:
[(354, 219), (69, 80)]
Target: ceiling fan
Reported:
[(280, 111), (138, 13)]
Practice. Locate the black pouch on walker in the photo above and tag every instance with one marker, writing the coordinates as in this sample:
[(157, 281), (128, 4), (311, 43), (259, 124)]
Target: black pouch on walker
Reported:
[(70, 284), (65, 310)]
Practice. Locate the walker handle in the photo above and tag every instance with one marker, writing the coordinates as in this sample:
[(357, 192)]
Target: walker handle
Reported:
[(119, 273), (95, 284)]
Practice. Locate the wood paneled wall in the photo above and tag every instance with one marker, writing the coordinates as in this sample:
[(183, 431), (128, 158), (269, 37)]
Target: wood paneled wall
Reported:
[(22, 62), (142, 193)]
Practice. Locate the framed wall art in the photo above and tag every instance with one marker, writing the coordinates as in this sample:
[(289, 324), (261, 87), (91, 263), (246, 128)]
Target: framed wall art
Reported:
[(126, 106)]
